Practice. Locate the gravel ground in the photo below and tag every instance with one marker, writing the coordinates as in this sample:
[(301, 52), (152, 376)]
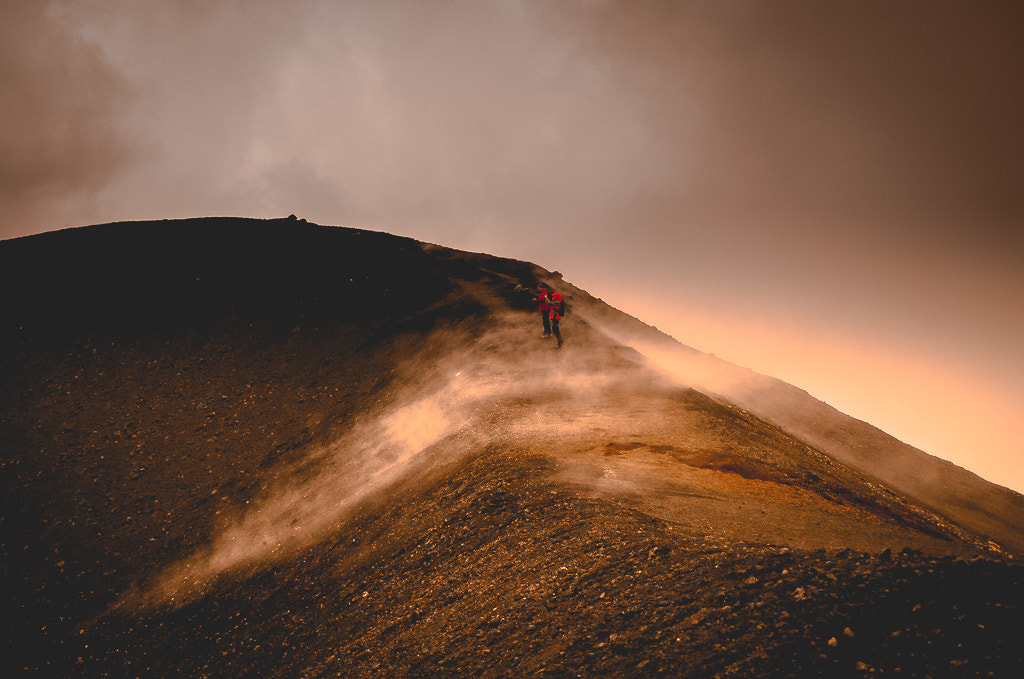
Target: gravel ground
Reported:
[(367, 464)]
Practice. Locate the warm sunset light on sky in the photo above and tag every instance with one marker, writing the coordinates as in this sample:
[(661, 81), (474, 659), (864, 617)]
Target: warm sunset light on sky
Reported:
[(828, 192)]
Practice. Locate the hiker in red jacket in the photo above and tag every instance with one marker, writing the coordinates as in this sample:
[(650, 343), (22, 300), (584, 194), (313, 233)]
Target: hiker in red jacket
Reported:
[(557, 309), (543, 298)]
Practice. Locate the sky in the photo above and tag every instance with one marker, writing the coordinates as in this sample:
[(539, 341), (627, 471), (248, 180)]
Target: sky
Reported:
[(826, 192)]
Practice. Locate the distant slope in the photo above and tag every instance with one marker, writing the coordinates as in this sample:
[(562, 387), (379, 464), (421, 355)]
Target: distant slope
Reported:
[(976, 504), (979, 506)]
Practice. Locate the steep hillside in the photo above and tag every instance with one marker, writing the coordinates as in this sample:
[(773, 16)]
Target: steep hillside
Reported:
[(269, 448)]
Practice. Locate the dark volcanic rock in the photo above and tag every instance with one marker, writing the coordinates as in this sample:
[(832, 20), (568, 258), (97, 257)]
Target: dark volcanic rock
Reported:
[(269, 448)]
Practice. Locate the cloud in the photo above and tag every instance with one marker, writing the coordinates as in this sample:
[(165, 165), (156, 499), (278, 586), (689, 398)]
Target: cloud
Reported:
[(388, 114), (59, 144), (721, 126), (465, 113)]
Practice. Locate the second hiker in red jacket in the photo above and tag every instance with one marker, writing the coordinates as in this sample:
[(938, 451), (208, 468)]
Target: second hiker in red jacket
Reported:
[(543, 298), (557, 309)]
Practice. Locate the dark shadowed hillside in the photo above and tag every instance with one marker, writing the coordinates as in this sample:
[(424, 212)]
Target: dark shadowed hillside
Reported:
[(274, 449)]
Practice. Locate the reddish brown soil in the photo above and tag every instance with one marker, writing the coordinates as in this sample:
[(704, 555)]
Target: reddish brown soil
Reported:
[(651, 531)]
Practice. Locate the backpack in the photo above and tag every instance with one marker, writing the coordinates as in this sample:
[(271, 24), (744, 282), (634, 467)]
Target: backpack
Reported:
[(561, 307)]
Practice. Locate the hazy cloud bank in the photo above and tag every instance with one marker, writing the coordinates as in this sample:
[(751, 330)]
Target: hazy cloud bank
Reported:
[(60, 143)]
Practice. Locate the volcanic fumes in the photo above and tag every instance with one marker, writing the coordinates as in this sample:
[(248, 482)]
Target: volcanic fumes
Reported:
[(270, 448), (462, 393)]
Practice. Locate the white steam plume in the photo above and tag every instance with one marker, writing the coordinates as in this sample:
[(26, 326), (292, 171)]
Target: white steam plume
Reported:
[(442, 418)]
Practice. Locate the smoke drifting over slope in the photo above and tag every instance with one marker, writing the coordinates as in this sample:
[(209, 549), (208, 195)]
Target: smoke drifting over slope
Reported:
[(315, 494), (461, 394)]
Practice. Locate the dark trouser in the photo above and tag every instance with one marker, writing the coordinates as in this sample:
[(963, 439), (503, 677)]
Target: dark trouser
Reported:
[(556, 331), (545, 315)]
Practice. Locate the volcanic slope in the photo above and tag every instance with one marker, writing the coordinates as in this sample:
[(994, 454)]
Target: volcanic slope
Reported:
[(269, 448)]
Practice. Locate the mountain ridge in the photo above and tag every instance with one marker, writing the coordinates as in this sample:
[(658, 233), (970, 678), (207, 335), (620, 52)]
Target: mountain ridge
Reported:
[(262, 446)]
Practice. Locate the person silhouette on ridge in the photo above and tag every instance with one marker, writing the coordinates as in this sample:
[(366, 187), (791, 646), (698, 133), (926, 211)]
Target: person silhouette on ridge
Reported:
[(543, 298), (557, 310)]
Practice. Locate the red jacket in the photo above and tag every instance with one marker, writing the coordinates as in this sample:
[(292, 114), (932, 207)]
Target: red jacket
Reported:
[(545, 301), (555, 304)]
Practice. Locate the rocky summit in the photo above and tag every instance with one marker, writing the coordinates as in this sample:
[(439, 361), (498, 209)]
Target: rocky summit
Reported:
[(268, 448)]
